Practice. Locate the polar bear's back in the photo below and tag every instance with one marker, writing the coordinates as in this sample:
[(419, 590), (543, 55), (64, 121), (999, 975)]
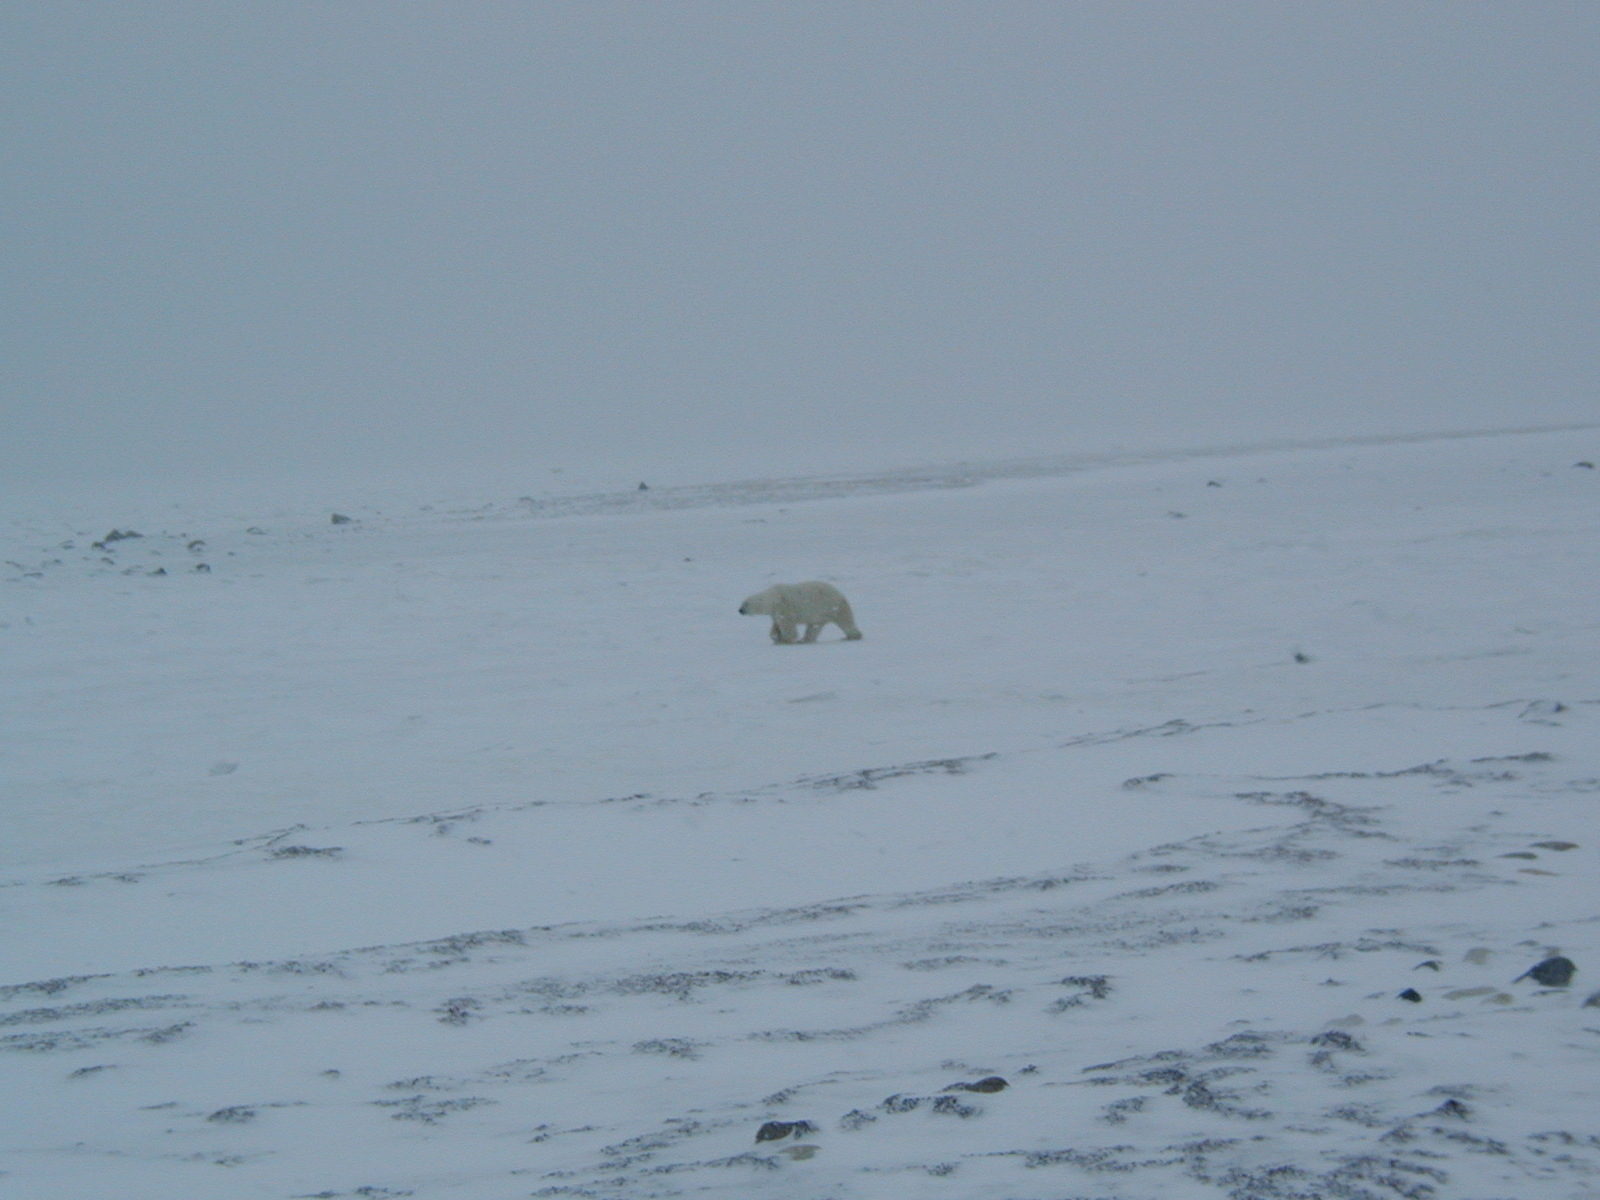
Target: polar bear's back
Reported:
[(812, 601), (814, 598)]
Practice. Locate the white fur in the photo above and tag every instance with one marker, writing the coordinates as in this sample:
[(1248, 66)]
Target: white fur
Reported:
[(812, 604)]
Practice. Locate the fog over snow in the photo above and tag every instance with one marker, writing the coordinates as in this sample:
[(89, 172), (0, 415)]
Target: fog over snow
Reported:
[(300, 247), (1195, 404)]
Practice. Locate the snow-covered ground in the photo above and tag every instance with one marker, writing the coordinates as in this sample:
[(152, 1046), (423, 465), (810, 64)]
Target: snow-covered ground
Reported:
[(482, 850)]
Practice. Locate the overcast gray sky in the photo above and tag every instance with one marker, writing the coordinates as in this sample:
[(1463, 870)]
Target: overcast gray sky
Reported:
[(708, 239)]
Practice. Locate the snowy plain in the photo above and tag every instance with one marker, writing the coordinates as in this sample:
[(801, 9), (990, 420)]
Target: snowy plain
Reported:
[(480, 849)]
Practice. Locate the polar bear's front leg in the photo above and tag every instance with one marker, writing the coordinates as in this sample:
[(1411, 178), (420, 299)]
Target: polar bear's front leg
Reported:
[(812, 631), (846, 620), (782, 631)]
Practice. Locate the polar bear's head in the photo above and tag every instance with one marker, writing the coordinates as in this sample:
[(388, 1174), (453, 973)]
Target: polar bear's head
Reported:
[(759, 605)]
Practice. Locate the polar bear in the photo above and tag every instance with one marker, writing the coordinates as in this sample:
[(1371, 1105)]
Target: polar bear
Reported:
[(811, 604)]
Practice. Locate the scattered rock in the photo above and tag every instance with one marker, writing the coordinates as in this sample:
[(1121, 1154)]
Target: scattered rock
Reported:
[(236, 1114), (1540, 712), (307, 851), (990, 1083), (1552, 972), (1593, 1001), (1141, 780), (1412, 995), (1431, 964), (1588, 466), (776, 1131), (672, 1047), (1097, 986), (1556, 845), (1117, 1111), (458, 1011), (1300, 656), (644, 487)]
